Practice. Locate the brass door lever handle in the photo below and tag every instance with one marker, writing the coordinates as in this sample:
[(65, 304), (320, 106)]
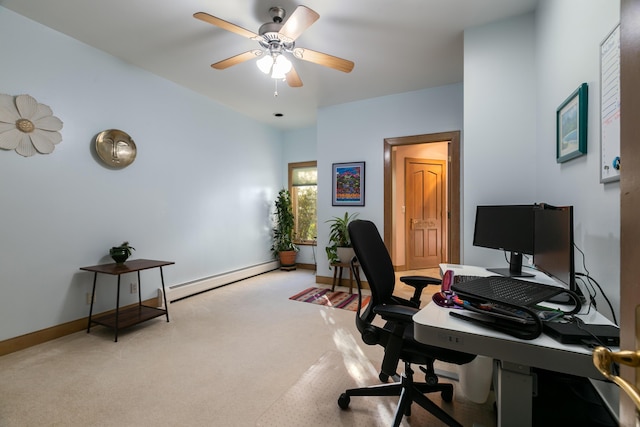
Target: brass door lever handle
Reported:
[(604, 358)]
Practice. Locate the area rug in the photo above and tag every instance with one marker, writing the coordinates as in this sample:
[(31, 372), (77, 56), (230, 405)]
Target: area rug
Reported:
[(313, 400), (324, 296)]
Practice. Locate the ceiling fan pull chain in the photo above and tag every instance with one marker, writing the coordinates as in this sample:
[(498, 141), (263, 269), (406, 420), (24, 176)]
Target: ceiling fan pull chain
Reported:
[(275, 93)]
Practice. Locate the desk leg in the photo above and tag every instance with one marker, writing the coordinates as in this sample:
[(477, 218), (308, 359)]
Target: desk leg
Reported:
[(164, 294), (93, 295), (514, 395), (139, 291)]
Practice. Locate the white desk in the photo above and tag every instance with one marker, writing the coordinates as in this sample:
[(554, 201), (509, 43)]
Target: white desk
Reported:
[(514, 386)]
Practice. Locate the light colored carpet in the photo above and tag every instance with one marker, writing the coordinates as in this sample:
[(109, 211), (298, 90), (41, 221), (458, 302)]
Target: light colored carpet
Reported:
[(226, 357), (312, 401)]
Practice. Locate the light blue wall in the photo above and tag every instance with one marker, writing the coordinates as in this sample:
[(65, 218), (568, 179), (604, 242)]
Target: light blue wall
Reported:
[(517, 72), (568, 37), (356, 131), (499, 124), (199, 192)]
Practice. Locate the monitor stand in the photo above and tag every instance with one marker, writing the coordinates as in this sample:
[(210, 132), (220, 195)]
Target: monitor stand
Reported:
[(515, 267)]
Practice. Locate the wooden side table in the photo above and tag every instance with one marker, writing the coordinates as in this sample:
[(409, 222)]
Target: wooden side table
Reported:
[(132, 315), (337, 274)]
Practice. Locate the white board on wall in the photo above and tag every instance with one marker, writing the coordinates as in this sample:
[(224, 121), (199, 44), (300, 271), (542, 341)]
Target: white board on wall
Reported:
[(610, 107)]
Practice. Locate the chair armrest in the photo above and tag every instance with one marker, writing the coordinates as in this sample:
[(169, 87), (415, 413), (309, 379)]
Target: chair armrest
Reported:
[(419, 283), (396, 313)]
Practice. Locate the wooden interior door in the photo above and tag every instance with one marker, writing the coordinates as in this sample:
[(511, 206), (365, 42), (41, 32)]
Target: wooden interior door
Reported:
[(425, 182), (629, 197)]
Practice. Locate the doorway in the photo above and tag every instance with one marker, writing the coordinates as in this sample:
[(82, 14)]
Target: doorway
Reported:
[(396, 217)]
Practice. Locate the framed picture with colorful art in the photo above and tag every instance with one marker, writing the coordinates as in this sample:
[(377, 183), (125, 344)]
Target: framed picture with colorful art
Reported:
[(348, 184)]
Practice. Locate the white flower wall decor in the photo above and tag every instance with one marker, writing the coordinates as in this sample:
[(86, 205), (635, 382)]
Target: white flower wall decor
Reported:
[(27, 126)]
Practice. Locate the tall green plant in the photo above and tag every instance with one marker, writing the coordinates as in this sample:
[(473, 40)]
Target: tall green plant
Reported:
[(338, 235), (284, 224)]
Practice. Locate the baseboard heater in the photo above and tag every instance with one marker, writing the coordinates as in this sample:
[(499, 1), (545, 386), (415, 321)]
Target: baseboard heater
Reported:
[(184, 290)]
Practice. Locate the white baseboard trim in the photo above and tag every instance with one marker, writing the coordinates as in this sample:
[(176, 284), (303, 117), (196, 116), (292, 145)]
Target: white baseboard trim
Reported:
[(184, 290)]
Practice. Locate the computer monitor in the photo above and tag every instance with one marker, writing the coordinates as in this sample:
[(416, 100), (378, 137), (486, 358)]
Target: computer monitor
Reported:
[(509, 228), (553, 248)]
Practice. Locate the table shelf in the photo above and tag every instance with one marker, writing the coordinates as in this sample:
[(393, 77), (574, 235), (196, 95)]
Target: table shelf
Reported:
[(128, 316)]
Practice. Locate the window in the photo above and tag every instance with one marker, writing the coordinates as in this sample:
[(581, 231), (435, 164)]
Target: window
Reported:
[(303, 186)]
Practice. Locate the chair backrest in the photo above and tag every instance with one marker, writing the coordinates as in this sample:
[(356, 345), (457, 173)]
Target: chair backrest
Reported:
[(375, 262)]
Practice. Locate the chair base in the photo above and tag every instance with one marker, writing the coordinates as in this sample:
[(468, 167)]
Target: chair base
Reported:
[(409, 392)]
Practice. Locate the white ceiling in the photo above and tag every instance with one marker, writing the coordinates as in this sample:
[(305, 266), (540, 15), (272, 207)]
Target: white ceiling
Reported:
[(397, 46)]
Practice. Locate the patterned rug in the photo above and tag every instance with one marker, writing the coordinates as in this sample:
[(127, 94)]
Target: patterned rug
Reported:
[(324, 296)]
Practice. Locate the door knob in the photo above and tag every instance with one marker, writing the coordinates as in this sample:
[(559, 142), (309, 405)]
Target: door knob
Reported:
[(603, 358)]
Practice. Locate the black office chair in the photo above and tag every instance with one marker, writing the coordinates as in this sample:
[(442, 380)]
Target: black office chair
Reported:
[(396, 336)]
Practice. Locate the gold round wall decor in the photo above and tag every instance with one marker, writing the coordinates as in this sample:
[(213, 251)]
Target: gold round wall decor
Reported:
[(115, 148)]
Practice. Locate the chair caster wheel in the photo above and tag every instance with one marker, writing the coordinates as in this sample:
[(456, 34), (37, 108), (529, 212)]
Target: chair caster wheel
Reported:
[(383, 377), (447, 395), (431, 379), (430, 376), (343, 401)]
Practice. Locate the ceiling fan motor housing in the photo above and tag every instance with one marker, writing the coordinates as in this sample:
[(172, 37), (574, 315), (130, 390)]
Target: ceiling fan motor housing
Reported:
[(272, 39)]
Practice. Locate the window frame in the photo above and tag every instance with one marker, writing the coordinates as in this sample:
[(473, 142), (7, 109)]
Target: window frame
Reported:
[(299, 165)]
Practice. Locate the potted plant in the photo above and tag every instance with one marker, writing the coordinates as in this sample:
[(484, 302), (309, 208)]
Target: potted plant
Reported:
[(339, 249), (283, 246), (121, 253)]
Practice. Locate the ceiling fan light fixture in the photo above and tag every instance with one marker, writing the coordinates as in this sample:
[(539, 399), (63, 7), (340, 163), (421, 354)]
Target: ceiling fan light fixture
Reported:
[(265, 63), (275, 38), (281, 66)]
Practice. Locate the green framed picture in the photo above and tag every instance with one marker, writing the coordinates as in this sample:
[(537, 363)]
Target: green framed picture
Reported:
[(571, 125)]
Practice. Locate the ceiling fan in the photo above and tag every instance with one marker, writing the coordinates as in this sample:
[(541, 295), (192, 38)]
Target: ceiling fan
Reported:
[(277, 38)]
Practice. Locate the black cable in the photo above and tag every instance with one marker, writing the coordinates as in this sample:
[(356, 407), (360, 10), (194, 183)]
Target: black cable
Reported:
[(590, 279), (591, 291), (506, 259)]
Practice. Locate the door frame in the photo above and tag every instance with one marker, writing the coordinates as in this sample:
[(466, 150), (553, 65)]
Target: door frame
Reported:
[(452, 139)]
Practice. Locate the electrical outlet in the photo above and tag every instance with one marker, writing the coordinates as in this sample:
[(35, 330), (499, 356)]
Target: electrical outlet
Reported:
[(89, 298), (133, 288), (160, 301)]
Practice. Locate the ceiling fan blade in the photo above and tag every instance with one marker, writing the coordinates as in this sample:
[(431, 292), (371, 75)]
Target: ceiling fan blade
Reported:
[(301, 19), (225, 25), (323, 59), (235, 60), (293, 79)]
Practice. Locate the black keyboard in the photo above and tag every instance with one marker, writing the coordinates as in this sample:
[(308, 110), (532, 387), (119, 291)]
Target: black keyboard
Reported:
[(506, 290)]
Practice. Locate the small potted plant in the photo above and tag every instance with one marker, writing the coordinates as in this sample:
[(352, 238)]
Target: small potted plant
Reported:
[(121, 253), (283, 246), (339, 249)]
